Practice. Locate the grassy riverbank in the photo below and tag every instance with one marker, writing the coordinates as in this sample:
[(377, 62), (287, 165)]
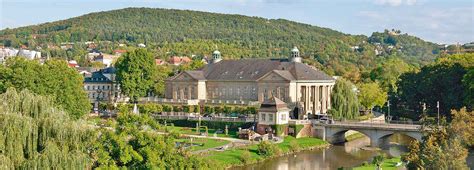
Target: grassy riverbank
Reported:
[(192, 131), (204, 143), (233, 157), (388, 164)]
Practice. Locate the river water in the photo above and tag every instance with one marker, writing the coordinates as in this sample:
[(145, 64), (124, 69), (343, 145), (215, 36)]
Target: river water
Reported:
[(347, 155)]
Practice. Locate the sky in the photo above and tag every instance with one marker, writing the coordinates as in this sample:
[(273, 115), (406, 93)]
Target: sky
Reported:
[(439, 21)]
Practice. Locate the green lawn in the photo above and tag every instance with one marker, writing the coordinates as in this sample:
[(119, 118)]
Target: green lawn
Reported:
[(231, 157), (192, 131), (204, 143), (388, 164), (304, 143)]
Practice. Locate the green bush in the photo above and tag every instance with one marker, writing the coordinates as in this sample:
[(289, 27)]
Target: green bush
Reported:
[(245, 157), (167, 108), (177, 109), (267, 149), (279, 129)]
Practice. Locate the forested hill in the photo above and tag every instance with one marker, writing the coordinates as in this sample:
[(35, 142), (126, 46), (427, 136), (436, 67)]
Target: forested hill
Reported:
[(183, 32)]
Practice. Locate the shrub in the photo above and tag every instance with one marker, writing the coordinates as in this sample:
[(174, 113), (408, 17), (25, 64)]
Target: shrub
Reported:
[(177, 108), (245, 157), (268, 149), (167, 108), (279, 129)]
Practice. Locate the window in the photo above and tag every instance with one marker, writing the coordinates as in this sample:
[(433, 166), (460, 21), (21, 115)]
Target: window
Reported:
[(270, 117), (263, 116), (283, 117)]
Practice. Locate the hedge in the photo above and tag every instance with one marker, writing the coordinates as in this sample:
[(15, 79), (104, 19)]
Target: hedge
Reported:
[(279, 129), (297, 128), (234, 126)]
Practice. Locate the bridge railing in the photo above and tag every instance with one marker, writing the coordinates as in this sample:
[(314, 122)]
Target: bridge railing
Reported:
[(372, 124), (381, 121)]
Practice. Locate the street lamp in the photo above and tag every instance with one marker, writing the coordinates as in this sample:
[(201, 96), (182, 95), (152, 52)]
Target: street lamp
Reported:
[(388, 107), (437, 106), (96, 109)]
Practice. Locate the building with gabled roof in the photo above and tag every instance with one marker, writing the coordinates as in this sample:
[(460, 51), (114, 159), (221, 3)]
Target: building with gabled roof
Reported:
[(306, 89)]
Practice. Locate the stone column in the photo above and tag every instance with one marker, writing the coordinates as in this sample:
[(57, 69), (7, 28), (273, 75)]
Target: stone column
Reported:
[(181, 93), (317, 99), (314, 99), (307, 101), (174, 93), (329, 97), (189, 93), (324, 99)]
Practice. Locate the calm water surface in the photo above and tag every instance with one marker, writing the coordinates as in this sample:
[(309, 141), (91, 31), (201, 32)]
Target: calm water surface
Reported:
[(349, 154)]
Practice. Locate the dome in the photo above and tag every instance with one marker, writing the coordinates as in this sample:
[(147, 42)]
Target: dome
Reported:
[(295, 49), (216, 52)]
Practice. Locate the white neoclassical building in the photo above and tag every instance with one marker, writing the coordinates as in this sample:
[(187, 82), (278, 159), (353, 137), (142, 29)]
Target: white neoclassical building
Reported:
[(306, 89)]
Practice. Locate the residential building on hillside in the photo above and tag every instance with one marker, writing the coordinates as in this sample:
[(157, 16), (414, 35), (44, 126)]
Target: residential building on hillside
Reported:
[(175, 60), (106, 59), (6, 53), (159, 61), (306, 89)]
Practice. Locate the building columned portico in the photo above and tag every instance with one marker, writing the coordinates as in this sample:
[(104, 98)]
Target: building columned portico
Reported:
[(306, 89)]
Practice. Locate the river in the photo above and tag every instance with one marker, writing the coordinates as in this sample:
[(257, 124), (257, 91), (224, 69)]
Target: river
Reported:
[(349, 154)]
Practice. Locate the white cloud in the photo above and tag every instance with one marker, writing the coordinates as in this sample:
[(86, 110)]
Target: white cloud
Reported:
[(395, 2)]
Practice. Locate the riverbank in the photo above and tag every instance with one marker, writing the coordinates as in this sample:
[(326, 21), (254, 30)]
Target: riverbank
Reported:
[(233, 157), (388, 164)]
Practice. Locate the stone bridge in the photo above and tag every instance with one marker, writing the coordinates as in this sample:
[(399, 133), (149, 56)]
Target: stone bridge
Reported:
[(377, 132)]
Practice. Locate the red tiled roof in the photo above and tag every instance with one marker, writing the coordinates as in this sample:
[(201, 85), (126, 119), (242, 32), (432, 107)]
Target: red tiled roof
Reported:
[(120, 51)]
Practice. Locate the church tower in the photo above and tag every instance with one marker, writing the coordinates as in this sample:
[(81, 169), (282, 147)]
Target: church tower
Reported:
[(216, 56), (295, 55)]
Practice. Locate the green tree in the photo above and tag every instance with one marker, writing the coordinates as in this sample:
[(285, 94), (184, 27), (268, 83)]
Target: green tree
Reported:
[(162, 73), (193, 65), (35, 134), (136, 73), (344, 100), (378, 160), (388, 72), (441, 81), (370, 95), (131, 146), (66, 88), (443, 147), (468, 81)]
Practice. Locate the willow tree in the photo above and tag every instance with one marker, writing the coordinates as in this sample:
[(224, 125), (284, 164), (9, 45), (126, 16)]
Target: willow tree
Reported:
[(344, 100), (35, 134)]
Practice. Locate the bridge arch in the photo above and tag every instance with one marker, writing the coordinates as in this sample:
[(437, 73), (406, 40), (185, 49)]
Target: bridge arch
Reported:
[(339, 135), (412, 135)]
